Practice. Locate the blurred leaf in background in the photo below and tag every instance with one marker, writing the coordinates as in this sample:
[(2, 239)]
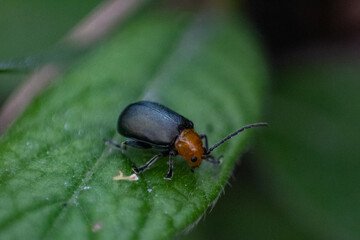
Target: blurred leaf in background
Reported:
[(312, 159), (29, 32), (305, 182), (31, 27), (301, 181)]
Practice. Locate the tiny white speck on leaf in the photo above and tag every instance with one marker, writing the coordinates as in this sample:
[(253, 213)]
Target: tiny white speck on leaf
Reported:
[(96, 227), (149, 190)]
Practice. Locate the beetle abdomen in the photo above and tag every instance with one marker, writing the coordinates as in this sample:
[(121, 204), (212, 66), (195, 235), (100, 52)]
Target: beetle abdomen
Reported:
[(152, 123)]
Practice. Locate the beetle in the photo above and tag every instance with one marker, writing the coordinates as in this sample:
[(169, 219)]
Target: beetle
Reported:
[(151, 125)]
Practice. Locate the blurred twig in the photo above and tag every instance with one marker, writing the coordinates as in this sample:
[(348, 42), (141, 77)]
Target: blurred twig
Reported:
[(94, 27), (101, 21)]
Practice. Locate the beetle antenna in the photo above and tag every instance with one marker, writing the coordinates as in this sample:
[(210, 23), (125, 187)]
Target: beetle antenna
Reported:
[(260, 124)]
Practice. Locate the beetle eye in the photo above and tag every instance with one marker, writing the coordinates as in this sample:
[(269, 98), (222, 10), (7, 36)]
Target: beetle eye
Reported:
[(194, 159)]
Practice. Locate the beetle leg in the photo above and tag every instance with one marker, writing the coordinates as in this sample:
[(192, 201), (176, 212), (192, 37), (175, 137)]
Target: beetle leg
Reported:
[(114, 144), (206, 141), (171, 166), (211, 159), (135, 144), (148, 164), (121, 147)]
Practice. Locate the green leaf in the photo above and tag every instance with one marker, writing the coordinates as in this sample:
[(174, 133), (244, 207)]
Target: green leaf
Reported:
[(311, 154), (55, 171), (246, 211)]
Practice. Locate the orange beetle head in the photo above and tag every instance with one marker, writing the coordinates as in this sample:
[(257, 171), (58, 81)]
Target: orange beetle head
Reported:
[(190, 146)]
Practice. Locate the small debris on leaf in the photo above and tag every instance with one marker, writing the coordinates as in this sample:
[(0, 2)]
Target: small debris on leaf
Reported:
[(121, 176)]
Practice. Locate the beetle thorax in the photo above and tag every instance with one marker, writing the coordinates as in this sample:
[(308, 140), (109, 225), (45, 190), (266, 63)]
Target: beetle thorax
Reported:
[(189, 145)]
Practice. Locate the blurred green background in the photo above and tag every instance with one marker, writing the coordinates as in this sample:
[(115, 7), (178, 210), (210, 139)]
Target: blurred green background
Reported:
[(301, 179), (30, 31)]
